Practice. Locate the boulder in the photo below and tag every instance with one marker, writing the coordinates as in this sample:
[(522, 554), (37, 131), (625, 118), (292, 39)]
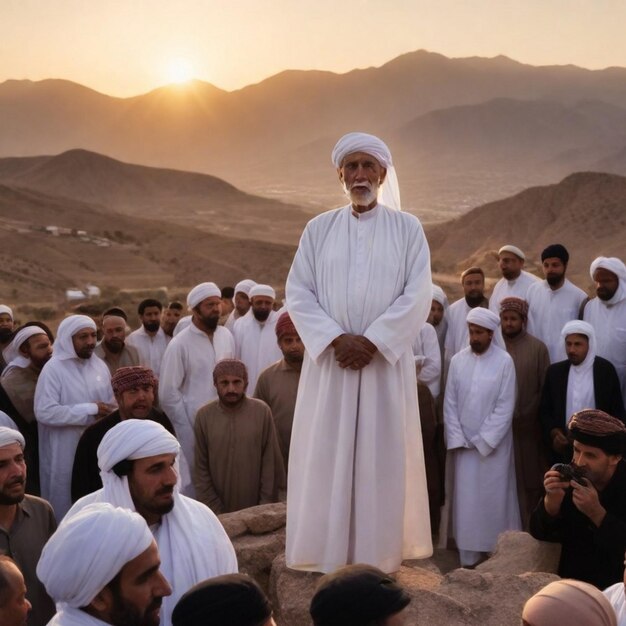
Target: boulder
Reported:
[(256, 520)]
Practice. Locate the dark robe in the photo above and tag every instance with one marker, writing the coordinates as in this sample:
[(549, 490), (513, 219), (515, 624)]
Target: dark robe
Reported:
[(86, 473), (591, 554)]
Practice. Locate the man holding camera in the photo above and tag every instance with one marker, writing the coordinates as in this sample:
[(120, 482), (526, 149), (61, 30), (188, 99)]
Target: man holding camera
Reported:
[(586, 513)]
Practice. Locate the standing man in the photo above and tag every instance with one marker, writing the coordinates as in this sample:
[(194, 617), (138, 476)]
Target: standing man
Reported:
[(170, 317), (437, 316), (358, 292), (553, 302), (241, 302), (278, 384), (112, 349), (531, 359), (185, 383), (6, 331), (478, 414), (238, 460), (73, 391), (26, 524), (255, 336), (607, 313), (149, 339), (515, 280)]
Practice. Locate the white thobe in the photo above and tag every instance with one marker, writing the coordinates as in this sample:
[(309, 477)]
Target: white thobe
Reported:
[(615, 595), (478, 416), (457, 337), (428, 356), (256, 344), (549, 310), (357, 483), (609, 321), (151, 348), (65, 404), (186, 382), (233, 316), (516, 288)]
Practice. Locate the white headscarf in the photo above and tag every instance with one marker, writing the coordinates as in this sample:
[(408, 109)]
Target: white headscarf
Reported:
[(63, 347), (440, 296), (202, 292), (6, 309), (389, 191), (244, 286), (262, 290), (580, 393), (9, 436), (513, 250), (7, 422), (483, 317), (89, 550), (615, 265), (12, 355)]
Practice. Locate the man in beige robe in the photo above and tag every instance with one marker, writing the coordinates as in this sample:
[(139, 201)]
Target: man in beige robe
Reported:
[(531, 359), (237, 459), (113, 349), (278, 384)]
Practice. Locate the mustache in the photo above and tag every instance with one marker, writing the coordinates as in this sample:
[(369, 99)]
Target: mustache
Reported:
[(18, 481), (164, 491)]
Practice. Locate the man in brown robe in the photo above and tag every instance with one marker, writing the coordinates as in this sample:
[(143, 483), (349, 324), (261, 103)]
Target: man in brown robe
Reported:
[(238, 463), (113, 349), (277, 385), (531, 359)]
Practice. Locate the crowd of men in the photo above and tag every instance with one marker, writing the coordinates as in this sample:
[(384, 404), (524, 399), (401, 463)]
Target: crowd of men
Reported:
[(381, 431)]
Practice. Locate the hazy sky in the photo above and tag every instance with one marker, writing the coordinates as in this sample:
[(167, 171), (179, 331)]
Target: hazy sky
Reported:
[(126, 47)]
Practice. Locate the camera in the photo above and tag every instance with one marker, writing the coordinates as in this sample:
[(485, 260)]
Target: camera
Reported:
[(570, 472)]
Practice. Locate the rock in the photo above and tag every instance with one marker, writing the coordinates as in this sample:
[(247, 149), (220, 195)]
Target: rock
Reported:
[(256, 553), (518, 553), (258, 520), (412, 577), (233, 525)]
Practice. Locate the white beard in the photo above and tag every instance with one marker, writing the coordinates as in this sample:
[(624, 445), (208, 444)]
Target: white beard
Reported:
[(360, 199)]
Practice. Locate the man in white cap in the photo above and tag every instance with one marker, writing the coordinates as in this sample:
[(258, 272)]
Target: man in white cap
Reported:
[(583, 380), (26, 523), (186, 384), (73, 391), (241, 302), (515, 280), (607, 312), (478, 416), (137, 459), (102, 567), (358, 292), (255, 333), (437, 316), (6, 331)]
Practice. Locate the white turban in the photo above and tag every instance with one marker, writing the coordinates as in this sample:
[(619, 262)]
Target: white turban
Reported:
[(9, 436), (513, 250), (244, 286), (202, 292), (578, 327), (89, 550), (7, 422), (615, 265), (440, 296), (134, 439), (483, 317), (389, 193), (12, 353), (63, 347), (6, 309), (262, 290)]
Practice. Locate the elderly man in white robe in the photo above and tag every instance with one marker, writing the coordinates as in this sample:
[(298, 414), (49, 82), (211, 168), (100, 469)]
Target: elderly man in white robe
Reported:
[(137, 459), (255, 333), (478, 417), (358, 292), (515, 281), (607, 313), (73, 391), (186, 381), (102, 567)]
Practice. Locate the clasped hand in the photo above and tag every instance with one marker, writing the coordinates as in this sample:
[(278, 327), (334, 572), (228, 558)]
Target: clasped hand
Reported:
[(353, 351)]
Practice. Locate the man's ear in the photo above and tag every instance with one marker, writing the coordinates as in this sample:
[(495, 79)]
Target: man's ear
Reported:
[(383, 175), (340, 174), (102, 603)]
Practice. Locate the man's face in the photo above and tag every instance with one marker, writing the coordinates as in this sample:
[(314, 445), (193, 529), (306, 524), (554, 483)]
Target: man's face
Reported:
[(114, 333), (84, 342), (576, 348), (510, 265), (479, 338), (262, 307), (474, 285), (136, 403), (6, 326), (151, 482), (151, 318), (169, 319), (14, 612), (292, 348), (436, 313), (12, 474), (230, 389), (38, 349), (598, 465), (512, 324), (606, 283), (554, 271), (361, 175), (208, 312), (242, 303), (136, 597)]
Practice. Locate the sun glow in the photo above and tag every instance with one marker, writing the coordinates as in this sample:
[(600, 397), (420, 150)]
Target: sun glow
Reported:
[(179, 71)]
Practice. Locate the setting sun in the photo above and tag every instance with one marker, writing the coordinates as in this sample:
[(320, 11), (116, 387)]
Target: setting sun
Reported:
[(179, 71)]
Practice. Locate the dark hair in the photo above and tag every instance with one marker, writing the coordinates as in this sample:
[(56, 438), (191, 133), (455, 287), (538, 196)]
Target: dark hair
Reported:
[(123, 468), (117, 312), (228, 292), (178, 306), (5, 587), (148, 302)]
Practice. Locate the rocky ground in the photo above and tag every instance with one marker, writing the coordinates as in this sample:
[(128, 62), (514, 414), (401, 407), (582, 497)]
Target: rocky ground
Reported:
[(443, 594)]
